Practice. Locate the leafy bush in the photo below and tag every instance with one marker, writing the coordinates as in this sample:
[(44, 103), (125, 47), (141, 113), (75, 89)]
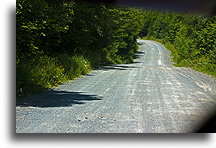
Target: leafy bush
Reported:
[(74, 66), (47, 72), (43, 73)]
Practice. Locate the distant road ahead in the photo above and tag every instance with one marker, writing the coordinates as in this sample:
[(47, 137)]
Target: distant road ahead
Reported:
[(148, 96)]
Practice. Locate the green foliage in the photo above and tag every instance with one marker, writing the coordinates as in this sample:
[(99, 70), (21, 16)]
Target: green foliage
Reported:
[(73, 66), (47, 72), (190, 38), (33, 76), (61, 40)]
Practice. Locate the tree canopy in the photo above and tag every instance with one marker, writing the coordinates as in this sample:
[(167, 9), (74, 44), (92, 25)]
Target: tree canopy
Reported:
[(49, 31)]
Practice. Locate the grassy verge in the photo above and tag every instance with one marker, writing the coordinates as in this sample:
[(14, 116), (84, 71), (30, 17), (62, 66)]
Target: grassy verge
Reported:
[(47, 72), (44, 72), (201, 64)]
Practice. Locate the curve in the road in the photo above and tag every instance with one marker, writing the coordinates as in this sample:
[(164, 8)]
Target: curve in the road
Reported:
[(148, 96)]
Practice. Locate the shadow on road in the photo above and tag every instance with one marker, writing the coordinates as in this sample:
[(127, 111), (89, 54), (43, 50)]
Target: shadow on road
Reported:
[(54, 98), (118, 67), (138, 54), (111, 68), (128, 66)]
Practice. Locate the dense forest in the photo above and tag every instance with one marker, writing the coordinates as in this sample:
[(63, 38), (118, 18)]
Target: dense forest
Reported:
[(63, 39), (191, 38)]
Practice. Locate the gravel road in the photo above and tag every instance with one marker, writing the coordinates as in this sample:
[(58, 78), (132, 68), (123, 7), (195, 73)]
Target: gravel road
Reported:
[(148, 96)]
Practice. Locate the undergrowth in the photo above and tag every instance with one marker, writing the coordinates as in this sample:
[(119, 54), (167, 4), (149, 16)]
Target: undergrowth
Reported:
[(201, 64), (48, 72)]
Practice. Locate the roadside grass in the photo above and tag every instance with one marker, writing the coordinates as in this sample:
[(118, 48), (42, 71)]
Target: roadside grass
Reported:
[(201, 64), (47, 72), (37, 74)]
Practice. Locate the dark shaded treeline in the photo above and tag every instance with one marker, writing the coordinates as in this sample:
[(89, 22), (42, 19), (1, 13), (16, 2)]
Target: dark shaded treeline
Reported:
[(60, 40)]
